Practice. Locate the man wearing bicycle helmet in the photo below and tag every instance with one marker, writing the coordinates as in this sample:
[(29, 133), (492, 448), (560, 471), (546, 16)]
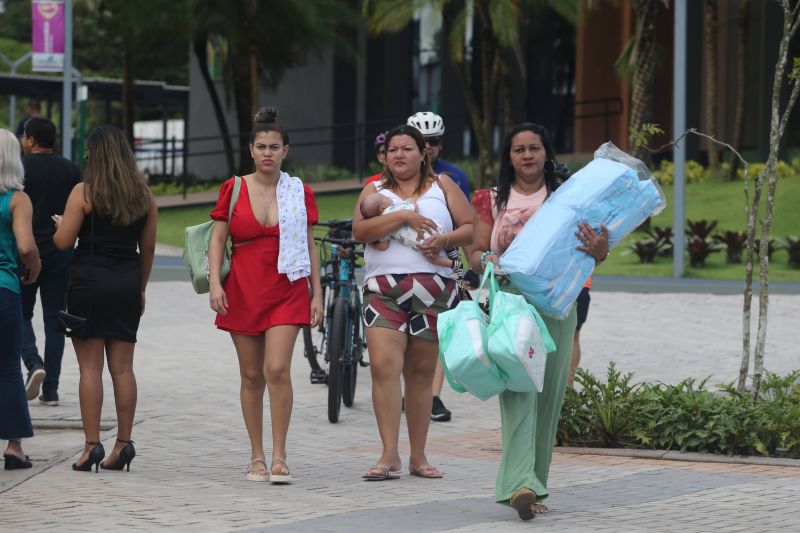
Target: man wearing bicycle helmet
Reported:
[(432, 127), (380, 155)]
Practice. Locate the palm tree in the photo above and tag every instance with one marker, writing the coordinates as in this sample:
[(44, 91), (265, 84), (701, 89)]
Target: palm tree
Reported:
[(497, 27), (642, 60), (263, 40), (741, 84), (710, 60)]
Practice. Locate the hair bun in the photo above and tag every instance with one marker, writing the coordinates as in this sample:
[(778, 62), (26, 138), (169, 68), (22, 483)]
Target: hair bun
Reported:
[(265, 115)]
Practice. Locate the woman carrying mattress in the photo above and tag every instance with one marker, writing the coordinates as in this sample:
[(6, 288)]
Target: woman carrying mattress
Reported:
[(528, 175)]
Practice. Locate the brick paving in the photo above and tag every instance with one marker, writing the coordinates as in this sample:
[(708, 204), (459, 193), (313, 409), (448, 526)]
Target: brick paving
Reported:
[(193, 449)]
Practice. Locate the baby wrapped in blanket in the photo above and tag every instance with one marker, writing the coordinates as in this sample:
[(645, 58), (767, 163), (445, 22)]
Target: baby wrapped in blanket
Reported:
[(377, 204)]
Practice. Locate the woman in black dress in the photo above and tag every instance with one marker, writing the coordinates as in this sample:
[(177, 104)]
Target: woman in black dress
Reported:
[(111, 214)]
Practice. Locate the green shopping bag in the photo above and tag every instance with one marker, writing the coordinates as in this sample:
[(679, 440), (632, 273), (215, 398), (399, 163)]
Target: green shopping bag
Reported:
[(463, 348), (518, 340), (195, 250)]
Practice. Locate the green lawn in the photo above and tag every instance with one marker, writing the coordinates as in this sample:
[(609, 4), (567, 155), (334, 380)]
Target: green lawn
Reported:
[(171, 222), (710, 200), (724, 202)]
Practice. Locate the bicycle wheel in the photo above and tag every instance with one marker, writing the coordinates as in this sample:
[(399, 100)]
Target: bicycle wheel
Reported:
[(351, 368), (311, 349), (314, 344), (336, 347)]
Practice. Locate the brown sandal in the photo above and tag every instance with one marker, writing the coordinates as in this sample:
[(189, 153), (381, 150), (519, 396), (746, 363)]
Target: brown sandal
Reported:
[(522, 501), (385, 473), (427, 472)]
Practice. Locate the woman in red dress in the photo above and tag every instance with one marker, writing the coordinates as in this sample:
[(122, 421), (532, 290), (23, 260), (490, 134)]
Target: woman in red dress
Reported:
[(264, 301)]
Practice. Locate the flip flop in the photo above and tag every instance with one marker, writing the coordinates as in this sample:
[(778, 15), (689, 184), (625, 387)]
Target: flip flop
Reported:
[(522, 501), (281, 479), (385, 474), (257, 475), (427, 472)]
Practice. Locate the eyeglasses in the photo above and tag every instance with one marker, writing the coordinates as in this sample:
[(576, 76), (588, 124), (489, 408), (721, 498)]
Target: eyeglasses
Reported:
[(433, 141)]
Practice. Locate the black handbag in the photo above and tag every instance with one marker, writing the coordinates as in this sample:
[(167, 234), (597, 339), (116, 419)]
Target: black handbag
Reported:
[(70, 324)]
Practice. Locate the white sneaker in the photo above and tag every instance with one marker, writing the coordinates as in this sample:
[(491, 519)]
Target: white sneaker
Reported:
[(35, 378)]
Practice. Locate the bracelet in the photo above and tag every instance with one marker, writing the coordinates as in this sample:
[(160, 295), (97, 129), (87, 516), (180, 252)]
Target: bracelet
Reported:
[(484, 255), (447, 240)]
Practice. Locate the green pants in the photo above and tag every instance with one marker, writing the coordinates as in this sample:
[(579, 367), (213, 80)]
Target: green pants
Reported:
[(529, 420)]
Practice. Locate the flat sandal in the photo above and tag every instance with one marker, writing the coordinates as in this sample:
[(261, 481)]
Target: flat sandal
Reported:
[(281, 479)]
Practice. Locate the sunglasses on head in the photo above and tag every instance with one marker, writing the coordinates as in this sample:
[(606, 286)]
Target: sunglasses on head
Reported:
[(433, 141)]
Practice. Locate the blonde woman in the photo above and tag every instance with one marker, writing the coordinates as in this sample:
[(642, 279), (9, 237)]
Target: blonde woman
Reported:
[(113, 216), (16, 240)]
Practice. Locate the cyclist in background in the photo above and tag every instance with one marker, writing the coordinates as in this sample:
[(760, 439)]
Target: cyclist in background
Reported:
[(380, 155), (432, 127)]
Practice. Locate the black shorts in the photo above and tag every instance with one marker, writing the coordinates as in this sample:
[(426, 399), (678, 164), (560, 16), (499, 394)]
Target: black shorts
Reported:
[(583, 306)]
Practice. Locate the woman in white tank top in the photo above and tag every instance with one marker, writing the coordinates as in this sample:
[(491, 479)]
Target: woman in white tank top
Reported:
[(404, 292)]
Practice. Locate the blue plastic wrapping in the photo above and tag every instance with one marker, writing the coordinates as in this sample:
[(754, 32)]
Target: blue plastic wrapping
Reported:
[(615, 190)]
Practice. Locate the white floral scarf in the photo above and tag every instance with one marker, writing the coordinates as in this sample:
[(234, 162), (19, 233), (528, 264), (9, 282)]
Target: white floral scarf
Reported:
[(293, 258)]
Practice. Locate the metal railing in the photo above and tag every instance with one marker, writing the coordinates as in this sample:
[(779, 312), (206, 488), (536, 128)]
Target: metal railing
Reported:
[(173, 153)]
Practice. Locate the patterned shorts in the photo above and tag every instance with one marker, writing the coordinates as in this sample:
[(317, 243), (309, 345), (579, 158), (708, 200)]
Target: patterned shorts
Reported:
[(408, 302)]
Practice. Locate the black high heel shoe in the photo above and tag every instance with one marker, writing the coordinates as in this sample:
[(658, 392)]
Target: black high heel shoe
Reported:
[(95, 456), (126, 455)]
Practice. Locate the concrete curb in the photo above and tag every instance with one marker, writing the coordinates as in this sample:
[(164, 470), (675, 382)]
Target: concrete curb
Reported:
[(672, 455)]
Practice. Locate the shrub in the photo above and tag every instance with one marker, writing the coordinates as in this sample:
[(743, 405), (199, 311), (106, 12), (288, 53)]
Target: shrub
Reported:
[(699, 249), (686, 416), (600, 414), (792, 246), (782, 169), (662, 236), (695, 172), (646, 249), (734, 242)]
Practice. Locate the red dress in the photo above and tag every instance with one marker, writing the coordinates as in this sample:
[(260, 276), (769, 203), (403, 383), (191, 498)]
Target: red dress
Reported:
[(258, 296)]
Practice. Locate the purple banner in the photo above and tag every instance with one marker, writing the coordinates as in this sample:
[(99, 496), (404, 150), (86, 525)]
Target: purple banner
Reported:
[(48, 36)]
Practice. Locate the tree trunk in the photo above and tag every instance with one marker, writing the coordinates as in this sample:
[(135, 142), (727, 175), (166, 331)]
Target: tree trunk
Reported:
[(508, 111), (741, 86), (777, 130), (490, 74), (244, 105), (644, 69), (710, 60), (201, 53), (253, 81), (127, 96)]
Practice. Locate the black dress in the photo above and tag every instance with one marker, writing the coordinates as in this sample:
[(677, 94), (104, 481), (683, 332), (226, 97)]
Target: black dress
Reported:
[(106, 279)]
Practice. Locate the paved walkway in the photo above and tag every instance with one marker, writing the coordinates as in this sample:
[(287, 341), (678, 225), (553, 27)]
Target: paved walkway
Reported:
[(193, 449)]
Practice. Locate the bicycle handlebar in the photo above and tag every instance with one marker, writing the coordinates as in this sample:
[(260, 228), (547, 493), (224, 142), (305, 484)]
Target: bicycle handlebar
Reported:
[(347, 243), (336, 224)]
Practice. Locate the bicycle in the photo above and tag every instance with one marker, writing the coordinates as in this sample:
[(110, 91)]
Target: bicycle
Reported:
[(339, 336)]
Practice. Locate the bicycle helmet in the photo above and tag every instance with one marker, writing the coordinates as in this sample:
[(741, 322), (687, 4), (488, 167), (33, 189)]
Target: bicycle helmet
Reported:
[(429, 124)]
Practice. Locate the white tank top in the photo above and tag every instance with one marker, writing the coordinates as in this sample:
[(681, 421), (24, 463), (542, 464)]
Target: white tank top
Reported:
[(401, 259)]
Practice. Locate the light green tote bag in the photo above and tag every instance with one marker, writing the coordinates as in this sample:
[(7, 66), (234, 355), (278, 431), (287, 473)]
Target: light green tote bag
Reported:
[(518, 340), (195, 250), (462, 348)]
